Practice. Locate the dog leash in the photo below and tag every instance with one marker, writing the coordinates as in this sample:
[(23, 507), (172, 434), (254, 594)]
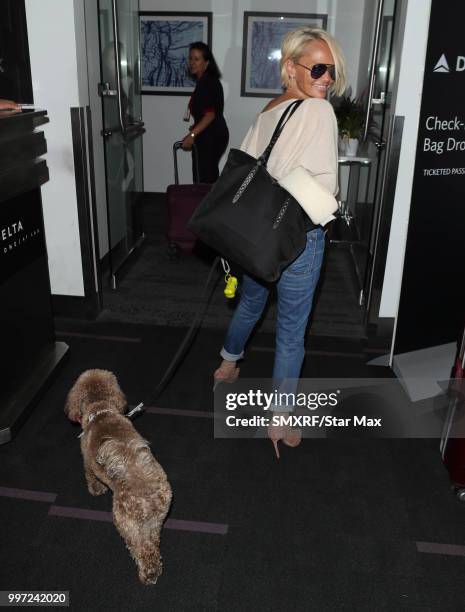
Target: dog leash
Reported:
[(135, 411), (205, 298), (229, 292)]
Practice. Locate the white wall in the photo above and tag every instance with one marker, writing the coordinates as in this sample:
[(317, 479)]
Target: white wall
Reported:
[(408, 103), (163, 114), (54, 67)]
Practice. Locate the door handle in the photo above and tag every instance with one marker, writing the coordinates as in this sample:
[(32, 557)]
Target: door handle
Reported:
[(105, 91), (381, 100), (131, 130)]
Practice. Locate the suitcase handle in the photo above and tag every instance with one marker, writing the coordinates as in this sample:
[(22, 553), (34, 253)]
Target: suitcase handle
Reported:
[(178, 145)]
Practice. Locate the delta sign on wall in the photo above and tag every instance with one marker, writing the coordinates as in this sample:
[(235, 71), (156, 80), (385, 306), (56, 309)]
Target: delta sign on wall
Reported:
[(21, 233), (437, 142), (432, 302)]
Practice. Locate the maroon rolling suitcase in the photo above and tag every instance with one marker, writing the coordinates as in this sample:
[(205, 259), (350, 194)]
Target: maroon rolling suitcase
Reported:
[(453, 448), (182, 201)]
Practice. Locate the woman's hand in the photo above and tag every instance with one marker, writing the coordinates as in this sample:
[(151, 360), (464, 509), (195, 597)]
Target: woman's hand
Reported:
[(187, 142), (9, 105)]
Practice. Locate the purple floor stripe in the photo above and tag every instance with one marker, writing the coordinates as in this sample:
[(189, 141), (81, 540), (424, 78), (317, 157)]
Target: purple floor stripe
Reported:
[(267, 349), (81, 513), (441, 549), (180, 412), (197, 526), (175, 524), (98, 336), (27, 494)]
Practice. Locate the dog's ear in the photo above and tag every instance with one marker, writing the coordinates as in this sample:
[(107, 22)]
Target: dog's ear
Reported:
[(73, 404), (115, 395), (119, 400)]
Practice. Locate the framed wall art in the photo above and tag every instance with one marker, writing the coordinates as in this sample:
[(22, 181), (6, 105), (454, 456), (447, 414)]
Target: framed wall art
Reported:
[(263, 34), (164, 39)]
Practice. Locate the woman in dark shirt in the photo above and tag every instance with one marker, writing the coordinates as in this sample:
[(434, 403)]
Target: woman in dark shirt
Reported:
[(209, 131)]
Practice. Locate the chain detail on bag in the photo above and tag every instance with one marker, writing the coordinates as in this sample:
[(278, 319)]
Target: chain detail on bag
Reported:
[(281, 213), (245, 183), (262, 160)]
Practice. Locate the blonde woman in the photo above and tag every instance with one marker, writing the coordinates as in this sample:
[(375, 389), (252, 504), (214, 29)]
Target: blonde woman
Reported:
[(312, 66)]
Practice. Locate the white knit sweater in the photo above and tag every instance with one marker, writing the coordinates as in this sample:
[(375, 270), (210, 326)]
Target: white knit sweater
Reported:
[(309, 140)]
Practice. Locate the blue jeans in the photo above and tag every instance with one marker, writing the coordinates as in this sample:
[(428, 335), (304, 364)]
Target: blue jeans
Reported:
[(295, 295)]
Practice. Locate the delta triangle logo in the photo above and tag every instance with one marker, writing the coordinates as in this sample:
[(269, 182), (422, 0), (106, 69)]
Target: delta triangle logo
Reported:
[(442, 65)]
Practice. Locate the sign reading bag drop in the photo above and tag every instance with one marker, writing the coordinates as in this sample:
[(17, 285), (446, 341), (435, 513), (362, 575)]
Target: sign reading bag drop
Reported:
[(432, 303), (444, 133)]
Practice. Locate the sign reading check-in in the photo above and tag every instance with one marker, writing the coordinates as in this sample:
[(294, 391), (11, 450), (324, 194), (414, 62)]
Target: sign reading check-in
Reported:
[(439, 143), (432, 303)]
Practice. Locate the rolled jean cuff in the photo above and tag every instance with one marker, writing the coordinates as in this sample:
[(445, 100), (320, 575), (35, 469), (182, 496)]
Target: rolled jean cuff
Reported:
[(274, 408), (285, 387), (229, 356)]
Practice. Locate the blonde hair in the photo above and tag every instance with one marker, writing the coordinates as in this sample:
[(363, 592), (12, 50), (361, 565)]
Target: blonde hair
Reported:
[(293, 47)]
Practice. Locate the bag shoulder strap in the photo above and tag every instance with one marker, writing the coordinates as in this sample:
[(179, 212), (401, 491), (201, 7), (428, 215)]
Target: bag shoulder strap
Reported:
[(287, 114)]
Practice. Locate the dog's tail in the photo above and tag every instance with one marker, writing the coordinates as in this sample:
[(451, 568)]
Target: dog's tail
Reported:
[(140, 525)]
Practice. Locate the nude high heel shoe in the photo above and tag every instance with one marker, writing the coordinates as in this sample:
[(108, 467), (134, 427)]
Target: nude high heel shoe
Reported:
[(290, 437)]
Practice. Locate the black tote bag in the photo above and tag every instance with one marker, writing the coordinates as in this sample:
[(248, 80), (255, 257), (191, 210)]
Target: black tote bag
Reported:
[(249, 218)]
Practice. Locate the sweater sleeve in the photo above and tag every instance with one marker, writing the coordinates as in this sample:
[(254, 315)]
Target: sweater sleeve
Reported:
[(319, 136)]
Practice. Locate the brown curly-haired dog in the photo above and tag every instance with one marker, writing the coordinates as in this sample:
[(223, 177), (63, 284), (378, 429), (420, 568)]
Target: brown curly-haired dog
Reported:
[(117, 457)]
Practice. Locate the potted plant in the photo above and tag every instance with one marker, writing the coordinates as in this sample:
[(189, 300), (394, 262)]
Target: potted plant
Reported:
[(350, 115)]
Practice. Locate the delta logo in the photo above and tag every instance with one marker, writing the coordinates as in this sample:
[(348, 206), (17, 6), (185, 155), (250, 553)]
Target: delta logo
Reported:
[(442, 65)]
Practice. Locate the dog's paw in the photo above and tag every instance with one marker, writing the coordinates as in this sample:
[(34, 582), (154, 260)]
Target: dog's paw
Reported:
[(97, 488)]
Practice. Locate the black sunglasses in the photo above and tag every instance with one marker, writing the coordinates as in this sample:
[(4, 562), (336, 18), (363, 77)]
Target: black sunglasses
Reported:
[(318, 70)]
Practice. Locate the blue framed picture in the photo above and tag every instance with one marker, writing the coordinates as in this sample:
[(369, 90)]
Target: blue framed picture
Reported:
[(164, 40), (261, 49)]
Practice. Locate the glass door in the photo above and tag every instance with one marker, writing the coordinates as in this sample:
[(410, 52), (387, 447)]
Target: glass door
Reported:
[(361, 172), (388, 145), (122, 126), (378, 125)]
